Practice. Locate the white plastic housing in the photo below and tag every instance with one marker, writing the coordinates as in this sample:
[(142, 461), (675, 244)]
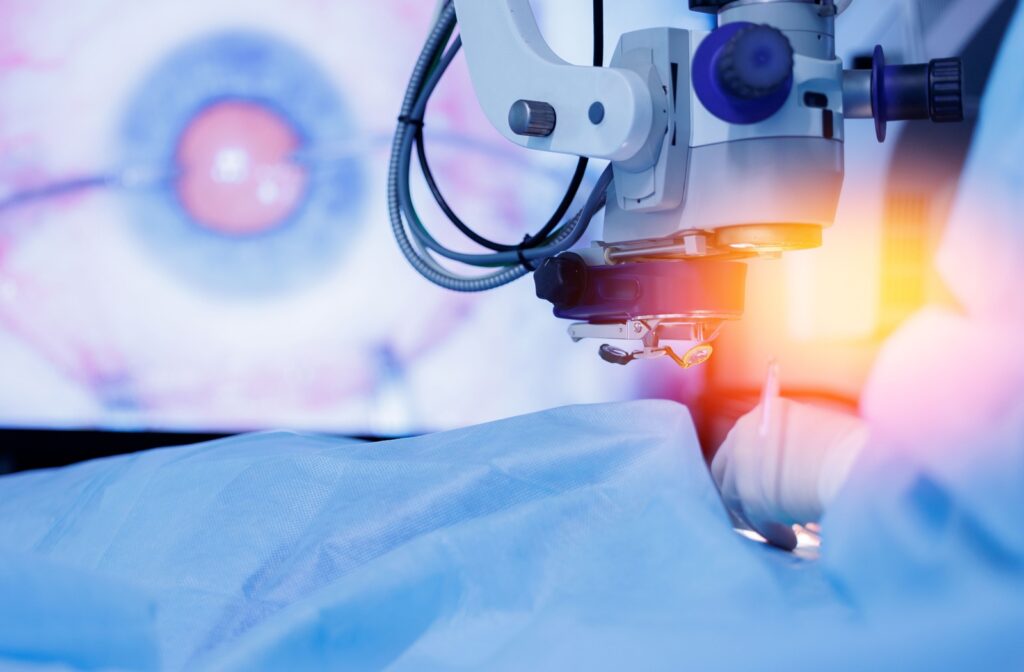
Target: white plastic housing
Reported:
[(509, 61)]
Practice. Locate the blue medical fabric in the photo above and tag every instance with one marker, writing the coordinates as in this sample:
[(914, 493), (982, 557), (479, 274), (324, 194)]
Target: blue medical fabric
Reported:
[(586, 537), (50, 614)]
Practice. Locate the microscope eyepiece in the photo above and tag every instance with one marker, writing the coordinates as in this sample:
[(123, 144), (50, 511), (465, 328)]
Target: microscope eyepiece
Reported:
[(921, 91)]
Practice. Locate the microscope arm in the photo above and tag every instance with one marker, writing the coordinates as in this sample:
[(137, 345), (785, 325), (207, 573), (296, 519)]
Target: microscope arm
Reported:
[(539, 101)]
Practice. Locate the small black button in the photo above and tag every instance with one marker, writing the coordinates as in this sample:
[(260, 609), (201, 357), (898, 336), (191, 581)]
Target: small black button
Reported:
[(815, 99)]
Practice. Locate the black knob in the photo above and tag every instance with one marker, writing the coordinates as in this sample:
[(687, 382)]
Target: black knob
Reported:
[(756, 62), (561, 280), (531, 117), (945, 90), (708, 6)]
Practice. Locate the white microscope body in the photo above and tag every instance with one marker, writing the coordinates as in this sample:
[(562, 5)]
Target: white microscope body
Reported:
[(724, 145)]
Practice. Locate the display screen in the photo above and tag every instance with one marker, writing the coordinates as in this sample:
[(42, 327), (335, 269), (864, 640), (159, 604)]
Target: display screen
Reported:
[(194, 233)]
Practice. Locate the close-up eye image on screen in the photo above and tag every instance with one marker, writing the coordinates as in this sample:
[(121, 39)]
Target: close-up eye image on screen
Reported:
[(511, 334)]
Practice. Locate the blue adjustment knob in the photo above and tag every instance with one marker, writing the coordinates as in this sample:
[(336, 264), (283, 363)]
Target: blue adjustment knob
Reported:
[(743, 72), (756, 62)]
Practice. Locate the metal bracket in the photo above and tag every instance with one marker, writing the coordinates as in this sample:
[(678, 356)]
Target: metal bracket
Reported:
[(509, 60), (633, 330), (650, 333)]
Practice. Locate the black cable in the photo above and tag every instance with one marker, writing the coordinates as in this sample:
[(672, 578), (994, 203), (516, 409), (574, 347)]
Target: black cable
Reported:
[(570, 194), (531, 241)]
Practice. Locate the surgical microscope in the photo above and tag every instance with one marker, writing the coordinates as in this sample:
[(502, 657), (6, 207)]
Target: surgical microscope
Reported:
[(723, 146)]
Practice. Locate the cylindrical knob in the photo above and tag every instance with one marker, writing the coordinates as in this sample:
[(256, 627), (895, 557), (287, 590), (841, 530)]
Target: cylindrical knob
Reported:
[(756, 62), (531, 117), (945, 90)]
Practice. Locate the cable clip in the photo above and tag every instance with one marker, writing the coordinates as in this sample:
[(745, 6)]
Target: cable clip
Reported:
[(410, 121), (520, 248)]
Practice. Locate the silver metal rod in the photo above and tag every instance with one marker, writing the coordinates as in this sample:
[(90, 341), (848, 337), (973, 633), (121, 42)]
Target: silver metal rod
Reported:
[(857, 94)]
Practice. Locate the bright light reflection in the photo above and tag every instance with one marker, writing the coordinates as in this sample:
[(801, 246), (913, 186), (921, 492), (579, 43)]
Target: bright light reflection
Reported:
[(231, 165)]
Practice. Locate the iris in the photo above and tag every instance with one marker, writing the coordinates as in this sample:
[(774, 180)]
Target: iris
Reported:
[(255, 200)]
